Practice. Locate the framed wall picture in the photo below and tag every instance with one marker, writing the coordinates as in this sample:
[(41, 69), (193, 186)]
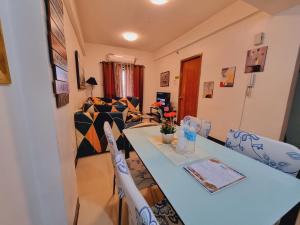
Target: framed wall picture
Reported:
[(208, 89), (165, 79), (4, 69), (228, 75), (79, 72), (256, 59), (57, 51)]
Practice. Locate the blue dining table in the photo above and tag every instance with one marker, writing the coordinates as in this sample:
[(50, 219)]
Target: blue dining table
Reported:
[(261, 199)]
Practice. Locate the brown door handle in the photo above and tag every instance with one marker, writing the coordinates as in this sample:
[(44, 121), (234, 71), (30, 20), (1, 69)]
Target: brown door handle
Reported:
[(180, 98)]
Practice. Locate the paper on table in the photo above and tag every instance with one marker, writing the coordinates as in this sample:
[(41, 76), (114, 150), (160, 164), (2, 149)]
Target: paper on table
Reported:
[(169, 150), (213, 174)]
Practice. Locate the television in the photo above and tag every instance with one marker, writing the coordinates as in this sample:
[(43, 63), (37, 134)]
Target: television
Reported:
[(164, 98)]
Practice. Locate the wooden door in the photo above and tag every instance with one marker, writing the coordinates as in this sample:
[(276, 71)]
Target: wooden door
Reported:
[(189, 87)]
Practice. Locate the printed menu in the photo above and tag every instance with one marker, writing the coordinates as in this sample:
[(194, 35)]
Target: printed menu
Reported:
[(213, 174)]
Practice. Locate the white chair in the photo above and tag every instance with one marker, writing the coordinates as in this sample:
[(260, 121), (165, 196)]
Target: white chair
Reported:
[(139, 211), (141, 176), (202, 127), (113, 148), (276, 154)]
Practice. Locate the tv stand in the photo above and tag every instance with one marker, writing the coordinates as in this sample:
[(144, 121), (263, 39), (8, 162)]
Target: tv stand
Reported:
[(155, 114)]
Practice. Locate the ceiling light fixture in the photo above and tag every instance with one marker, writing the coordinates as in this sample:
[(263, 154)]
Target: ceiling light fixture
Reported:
[(159, 2), (130, 36)]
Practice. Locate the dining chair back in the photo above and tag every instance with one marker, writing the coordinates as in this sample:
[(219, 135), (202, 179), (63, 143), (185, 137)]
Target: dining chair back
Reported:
[(114, 151), (112, 145), (202, 127), (279, 155), (138, 209)]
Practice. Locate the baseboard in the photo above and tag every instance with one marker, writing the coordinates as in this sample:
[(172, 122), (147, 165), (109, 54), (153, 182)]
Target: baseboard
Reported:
[(76, 212), (216, 140)]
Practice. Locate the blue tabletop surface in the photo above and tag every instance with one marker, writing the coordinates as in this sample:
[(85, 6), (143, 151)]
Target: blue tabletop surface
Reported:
[(261, 199)]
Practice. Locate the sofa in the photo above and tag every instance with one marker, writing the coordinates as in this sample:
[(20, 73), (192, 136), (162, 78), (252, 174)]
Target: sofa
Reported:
[(121, 113)]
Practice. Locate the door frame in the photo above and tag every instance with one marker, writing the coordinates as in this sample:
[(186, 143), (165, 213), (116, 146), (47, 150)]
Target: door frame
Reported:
[(180, 82), (291, 96)]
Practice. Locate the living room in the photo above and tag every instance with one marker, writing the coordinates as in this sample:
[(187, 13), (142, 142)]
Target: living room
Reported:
[(42, 140)]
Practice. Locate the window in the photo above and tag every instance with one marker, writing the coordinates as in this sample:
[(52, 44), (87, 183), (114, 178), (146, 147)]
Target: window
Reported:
[(124, 80)]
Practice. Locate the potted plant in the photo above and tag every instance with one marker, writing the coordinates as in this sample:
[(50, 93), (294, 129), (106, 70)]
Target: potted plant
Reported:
[(168, 127)]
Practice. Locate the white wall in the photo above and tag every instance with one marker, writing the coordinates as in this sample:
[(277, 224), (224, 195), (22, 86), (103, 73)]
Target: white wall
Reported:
[(265, 110), (37, 163), (96, 53), (64, 118), (30, 165), (77, 97)]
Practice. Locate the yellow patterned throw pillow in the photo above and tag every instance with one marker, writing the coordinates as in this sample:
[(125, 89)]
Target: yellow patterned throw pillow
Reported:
[(97, 101)]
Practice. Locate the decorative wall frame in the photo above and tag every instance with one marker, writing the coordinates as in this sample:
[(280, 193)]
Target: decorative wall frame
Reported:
[(256, 59), (79, 72), (208, 89), (228, 75), (4, 68), (165, 79), (57, 51)]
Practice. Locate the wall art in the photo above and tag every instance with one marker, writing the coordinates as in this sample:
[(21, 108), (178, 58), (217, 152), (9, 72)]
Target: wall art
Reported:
[(4, 69), (228, 75), (79, 72), (57, 51), (256, 59), (208, 89), (165, 79)]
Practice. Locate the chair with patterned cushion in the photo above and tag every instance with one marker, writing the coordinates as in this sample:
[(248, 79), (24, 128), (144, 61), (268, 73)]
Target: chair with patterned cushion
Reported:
[(114, 151), (141, 176), (279, 155), (202, 127), (140, 213)]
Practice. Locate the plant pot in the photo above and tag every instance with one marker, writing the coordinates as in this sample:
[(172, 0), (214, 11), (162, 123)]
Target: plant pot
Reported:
[(167, 138)]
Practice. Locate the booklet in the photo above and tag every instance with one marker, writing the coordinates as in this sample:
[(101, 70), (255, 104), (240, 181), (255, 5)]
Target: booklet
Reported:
[(213, 174)]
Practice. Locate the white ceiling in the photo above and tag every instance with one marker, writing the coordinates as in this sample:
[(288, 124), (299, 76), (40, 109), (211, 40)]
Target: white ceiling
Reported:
[(103, 21), (273, 6)]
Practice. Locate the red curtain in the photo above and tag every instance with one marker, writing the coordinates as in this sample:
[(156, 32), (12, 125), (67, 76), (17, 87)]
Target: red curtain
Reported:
[(138, 84), (108, 79), (110, 83)]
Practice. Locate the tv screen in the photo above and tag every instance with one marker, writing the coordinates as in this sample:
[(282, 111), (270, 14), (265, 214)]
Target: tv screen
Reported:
[(164, 98)]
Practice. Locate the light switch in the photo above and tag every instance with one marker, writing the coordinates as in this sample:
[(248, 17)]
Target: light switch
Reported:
[(259, 38)]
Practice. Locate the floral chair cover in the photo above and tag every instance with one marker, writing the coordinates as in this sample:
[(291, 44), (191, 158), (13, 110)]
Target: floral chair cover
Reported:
[(140, 174), (202, 127), (139, 211), (276, 154), (111, 140), (114, 151)]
